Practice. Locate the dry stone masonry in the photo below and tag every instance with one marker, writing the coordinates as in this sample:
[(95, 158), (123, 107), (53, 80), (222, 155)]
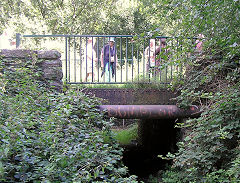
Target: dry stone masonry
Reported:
[(49, 63)]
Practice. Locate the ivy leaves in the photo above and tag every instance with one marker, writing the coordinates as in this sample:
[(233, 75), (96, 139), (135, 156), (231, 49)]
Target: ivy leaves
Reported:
[(53, 137)]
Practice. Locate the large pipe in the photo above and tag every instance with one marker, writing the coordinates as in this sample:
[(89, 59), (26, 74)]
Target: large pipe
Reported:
[(149, 111)]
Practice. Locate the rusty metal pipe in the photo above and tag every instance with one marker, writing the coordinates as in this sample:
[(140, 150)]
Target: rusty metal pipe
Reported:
[(149, 111)]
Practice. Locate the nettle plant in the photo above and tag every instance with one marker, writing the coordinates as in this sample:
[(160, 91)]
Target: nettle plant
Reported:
[(53, 137)]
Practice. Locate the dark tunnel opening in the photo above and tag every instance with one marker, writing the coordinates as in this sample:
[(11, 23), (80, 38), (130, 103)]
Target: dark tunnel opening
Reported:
[(156, 137)]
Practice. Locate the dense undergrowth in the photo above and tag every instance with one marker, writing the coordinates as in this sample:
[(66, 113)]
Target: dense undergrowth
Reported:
[(210, 150), (52, 137)]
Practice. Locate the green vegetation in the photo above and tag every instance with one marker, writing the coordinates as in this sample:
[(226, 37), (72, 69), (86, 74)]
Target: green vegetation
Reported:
[(210, 149), (123, 136), (134, 85), (52, 137), (126, 136), (40, 136), (72, 17)]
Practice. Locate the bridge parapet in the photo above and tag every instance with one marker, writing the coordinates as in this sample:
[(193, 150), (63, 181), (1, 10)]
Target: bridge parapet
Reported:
[(130, 96), (141, 103)]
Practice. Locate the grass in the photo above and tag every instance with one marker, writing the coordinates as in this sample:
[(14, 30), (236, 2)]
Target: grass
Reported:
[(125, 136), (142, 83)]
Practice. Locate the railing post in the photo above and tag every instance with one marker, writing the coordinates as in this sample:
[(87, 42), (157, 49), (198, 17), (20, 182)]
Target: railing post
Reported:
[(18, 39)]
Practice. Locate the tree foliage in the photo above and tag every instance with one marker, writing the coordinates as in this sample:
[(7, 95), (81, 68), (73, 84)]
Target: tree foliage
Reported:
[(56, 17), (73, 17)]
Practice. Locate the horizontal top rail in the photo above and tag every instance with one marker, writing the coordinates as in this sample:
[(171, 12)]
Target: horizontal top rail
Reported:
[(116, 36), (73, 35)]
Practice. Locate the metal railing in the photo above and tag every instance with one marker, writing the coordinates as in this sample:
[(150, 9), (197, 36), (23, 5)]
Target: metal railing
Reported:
[(141, 60)]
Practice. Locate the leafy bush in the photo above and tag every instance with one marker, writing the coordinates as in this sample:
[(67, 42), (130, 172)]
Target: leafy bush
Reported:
[(210, 149), (52, 137)]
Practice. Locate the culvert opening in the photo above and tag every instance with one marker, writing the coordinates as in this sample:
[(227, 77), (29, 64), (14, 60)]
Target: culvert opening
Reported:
[(156, 137)]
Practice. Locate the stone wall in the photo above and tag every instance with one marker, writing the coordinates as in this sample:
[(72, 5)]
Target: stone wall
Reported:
[(49, 63)]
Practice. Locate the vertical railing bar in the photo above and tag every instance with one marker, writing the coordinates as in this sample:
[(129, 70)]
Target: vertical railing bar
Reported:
[(80, 54), (18, 39), (75, 65), (160, 59), (181, 49), (160, 75), (138, 61), (66, 57), (149, 61), (144, 59), (86, 60), (132, 60), (104, 60), (92, 60), (166, 67), (98, 57), (126, 59), (69, 61), (109, 61), (115, 60), (121, 56), (177, 58), (154, 51), (171, 61)]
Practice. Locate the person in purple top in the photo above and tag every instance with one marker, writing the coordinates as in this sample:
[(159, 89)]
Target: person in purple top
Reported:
[(109, 59)]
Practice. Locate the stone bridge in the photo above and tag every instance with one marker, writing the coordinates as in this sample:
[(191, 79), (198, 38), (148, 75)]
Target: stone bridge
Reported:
[(128, 103), (155, 108)]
